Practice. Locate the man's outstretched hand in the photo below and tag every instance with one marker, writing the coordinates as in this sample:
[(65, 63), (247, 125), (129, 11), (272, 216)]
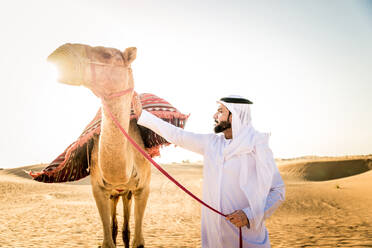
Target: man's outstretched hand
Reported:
[(137, 105), (238, 218)]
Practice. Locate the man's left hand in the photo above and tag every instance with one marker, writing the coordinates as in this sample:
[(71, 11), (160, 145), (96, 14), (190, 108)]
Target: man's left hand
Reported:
[(238, 218)]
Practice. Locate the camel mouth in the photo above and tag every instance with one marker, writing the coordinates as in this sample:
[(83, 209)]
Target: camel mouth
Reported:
[(69, 65)]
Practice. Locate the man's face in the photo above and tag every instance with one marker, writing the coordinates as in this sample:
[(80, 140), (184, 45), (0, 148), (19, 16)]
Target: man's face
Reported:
[(222, 119)]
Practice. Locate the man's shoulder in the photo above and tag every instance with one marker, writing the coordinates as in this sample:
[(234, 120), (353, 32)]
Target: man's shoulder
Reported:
[(215, 140), (217, 137)]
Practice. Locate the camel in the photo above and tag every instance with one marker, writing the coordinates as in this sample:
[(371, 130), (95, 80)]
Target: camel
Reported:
[(116, 168)]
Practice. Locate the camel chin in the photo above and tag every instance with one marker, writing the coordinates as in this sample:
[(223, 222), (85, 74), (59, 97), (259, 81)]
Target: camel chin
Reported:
[(68, 82)]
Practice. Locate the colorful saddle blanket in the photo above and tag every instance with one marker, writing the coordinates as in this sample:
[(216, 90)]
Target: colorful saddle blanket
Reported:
[(73, 163)]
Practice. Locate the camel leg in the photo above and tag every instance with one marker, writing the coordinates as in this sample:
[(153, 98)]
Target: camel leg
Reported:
[(140, 200), (114, 202), (104, 208), (127, 204)]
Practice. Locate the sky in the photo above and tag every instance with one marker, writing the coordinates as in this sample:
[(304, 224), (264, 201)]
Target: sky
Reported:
[(306, 65)]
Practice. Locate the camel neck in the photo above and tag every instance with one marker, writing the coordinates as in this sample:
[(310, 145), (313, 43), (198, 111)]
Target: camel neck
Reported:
[(120, 107), (113, 153)]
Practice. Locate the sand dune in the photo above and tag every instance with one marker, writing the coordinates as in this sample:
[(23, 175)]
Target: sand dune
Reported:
[(324, 170), (318, 212)]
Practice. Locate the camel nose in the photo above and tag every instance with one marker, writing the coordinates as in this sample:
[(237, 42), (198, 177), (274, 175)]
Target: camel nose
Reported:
[(69, 64)]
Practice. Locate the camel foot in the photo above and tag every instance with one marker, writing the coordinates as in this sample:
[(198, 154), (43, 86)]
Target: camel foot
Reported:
[(126, 238), (107, 245), (139, 244)]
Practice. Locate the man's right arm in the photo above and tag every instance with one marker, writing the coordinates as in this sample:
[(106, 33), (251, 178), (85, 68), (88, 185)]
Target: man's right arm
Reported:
[(175, 135)]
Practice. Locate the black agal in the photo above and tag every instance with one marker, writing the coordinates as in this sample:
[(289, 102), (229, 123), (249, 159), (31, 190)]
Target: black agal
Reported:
[(236, 100)]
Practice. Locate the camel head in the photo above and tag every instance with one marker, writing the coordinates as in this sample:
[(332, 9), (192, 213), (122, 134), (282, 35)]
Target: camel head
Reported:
[(103, 70)]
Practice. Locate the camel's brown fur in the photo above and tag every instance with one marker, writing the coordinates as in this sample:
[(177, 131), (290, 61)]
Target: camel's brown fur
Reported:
[(117, 169)]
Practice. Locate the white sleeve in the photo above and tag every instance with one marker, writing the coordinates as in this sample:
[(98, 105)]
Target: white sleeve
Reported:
[(273, 200), (276, 195), (175, 135)]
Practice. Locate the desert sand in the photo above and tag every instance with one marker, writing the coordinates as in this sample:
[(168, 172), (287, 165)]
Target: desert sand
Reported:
[(328, 204)]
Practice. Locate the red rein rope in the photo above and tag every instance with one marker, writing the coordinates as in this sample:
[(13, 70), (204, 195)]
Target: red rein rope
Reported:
[(154, 163), (161, 169)]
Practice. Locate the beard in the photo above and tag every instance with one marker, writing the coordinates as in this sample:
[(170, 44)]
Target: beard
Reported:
[(222, 126)]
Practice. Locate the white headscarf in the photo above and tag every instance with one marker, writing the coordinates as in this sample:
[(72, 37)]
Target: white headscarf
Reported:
[(241, 114), (246, 139)]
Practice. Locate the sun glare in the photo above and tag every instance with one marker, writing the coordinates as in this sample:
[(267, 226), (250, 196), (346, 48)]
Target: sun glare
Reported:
[(51, 72)]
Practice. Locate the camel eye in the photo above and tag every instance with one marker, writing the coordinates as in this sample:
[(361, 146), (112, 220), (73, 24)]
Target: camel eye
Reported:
[(106, 55)]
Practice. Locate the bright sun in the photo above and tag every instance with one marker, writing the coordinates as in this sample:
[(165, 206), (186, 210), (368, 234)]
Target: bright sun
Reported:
[(51, 72)]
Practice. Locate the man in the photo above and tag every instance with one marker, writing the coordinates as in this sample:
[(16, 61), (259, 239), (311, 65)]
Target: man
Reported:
[(241, 178)]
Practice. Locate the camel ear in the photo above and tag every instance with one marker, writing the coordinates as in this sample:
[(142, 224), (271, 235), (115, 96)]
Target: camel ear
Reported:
[(130, 55)]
